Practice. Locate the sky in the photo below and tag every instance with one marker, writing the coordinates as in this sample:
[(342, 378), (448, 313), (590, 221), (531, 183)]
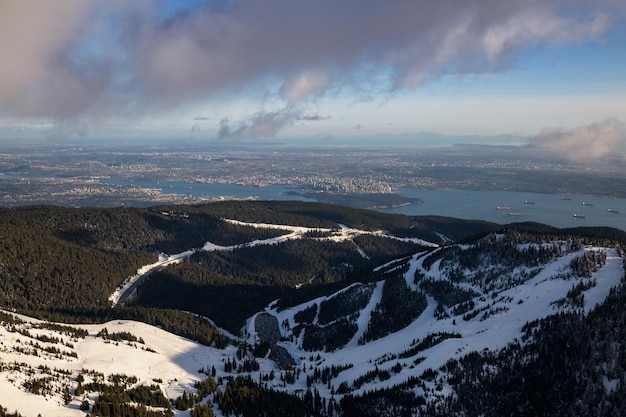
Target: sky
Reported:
[(553, 71)]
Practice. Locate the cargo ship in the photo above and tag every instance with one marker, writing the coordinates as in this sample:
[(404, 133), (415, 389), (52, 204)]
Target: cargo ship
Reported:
[(613, 211), (579, 216), (503, 208), (513, 213)]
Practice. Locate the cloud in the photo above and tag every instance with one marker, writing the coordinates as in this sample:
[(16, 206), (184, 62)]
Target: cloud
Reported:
[(67, 130), (265, 125), (36, 75), (532, 26), (585, 143), (314, 117), (259, 125), (228, 131), (305, 85), (110, 58)]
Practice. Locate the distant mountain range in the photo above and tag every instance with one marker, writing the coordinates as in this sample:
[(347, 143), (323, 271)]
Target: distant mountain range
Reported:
[(426, 139)]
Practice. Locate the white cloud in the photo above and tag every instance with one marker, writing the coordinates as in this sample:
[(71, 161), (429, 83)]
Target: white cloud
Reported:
[(91, 59), (585, 143), (305, 85)]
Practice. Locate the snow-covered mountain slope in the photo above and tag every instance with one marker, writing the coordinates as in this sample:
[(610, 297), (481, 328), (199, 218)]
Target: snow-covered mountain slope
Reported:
[(472, 304), (419, 313), (40, 360), (342, 233)]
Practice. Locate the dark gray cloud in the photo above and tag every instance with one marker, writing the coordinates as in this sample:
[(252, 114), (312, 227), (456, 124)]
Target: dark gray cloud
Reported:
[(313, 117), (259, 125), (230, 130), (67, 130), (585, 143), (79, 58)]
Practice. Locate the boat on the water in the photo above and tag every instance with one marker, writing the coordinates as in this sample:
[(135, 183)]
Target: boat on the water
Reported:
[(579, 216), (506, 208), (587, 204), (613, 211), (528, 202), (514, 213)]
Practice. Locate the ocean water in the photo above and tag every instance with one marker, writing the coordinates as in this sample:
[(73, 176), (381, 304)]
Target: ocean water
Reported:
[(555, 210), (270, 192)]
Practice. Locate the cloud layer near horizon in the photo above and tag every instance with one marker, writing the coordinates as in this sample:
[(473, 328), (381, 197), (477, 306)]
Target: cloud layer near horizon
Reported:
[(585, 143), (73, 58)]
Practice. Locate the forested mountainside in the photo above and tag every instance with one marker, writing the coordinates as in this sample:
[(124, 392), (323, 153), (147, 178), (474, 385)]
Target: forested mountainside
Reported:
[(329, 311), (63, 263)]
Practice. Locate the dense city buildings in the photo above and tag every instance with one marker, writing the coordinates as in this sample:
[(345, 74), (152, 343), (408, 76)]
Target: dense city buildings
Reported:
[(116, 175)]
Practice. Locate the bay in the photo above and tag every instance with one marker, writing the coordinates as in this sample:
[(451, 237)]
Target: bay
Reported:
[(197, 189), (551, 209), (570, 210)]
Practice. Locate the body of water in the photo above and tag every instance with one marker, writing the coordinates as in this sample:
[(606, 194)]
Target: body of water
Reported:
[(556, 210), (270, 192)]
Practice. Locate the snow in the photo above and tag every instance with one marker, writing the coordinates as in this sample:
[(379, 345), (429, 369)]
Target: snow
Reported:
[(176, 361), (605, 279), (164, 260), (495, 332), (364, 316), (296, 232)]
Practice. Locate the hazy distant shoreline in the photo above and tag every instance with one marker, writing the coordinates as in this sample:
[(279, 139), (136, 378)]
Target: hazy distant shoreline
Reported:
[(372, 201)]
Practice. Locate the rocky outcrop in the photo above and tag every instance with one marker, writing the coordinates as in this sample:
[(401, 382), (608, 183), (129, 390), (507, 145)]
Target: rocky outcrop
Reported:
[(266, 327)]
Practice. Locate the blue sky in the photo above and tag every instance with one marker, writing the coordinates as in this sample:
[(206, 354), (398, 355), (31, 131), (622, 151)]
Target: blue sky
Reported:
[(301, 71)]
